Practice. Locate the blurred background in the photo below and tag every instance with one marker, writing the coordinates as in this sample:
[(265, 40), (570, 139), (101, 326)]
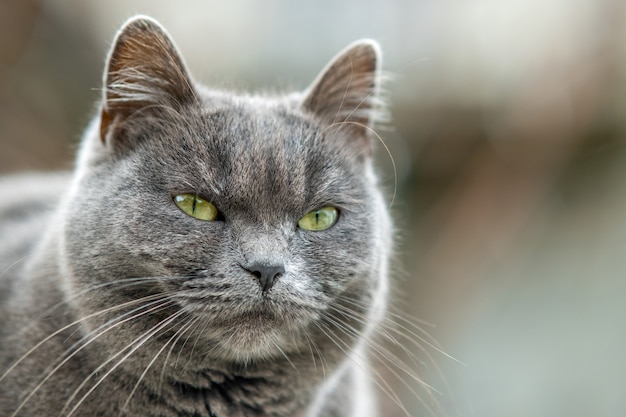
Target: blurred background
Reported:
[(509, 140)]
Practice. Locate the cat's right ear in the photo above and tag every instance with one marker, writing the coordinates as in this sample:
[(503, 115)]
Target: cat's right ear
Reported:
[(346, 93), (144, 73)]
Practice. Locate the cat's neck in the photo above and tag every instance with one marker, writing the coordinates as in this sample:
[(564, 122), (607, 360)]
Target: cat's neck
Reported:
[(246, 392)]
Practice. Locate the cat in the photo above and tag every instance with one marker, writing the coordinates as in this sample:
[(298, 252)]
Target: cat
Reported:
[(213, 254)]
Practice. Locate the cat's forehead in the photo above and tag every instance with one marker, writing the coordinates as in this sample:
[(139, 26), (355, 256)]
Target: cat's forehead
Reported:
[(251, 127), (252, 136), (261, 152)]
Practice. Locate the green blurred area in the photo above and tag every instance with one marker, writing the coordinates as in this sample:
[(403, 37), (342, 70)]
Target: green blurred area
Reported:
[(508, 138)]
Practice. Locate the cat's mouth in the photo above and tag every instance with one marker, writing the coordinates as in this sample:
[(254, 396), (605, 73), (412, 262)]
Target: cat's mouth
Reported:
[(238, 313), (256, 334), (254, 317)]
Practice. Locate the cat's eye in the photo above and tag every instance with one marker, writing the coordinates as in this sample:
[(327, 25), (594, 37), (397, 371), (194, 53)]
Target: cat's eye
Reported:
[(196, 207), (320, 219)]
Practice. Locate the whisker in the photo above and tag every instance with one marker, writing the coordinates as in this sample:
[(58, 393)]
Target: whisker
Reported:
[(286, 357), (187, 340), (383, 354), (191, 323), (195, 343), (125, 281), (383, 330), (138, 342), (386, 389), (310, 345), (389, 327), (415, 343), (174, 337), (70, 356), (123, 318), (430, 344), (64, 328), (381, 350)]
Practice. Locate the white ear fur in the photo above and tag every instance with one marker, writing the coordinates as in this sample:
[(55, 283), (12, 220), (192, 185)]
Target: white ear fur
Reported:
[(346, 91), (143, 68)]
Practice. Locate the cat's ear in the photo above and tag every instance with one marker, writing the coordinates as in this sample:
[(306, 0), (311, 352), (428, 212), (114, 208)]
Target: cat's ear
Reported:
[(144, 72), (346, 91)]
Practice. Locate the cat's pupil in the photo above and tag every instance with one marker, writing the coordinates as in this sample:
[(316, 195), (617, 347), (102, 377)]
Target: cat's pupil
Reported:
[(196, 207), (320, 219)]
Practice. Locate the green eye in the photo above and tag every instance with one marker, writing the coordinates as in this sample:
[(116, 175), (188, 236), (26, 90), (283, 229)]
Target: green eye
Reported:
[(196, 207), (320, 219)]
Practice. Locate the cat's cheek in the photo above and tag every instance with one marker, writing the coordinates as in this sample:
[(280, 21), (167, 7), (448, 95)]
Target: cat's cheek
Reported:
[(298, 283)]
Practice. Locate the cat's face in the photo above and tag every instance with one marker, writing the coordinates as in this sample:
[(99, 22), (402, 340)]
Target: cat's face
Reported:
[(253, 219)]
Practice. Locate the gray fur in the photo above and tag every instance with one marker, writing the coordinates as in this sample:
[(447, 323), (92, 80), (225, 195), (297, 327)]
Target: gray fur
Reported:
[(168, 320)]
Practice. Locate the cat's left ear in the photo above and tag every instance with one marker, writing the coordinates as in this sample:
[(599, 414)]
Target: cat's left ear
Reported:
[(144, 73), (346, 93)]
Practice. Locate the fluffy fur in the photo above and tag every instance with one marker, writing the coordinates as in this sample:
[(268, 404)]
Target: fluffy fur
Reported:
[(115, 302)]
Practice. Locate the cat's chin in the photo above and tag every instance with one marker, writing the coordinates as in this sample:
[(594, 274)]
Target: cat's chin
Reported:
[(252, 343), (256, 335)]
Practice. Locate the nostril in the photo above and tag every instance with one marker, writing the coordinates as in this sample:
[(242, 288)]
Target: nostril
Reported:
[(266, 274)]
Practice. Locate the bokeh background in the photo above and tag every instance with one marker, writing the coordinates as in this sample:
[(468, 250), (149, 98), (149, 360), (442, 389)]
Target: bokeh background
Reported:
[(509, 141)]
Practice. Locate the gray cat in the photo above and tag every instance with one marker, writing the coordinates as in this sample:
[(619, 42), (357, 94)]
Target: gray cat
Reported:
[(212, 255)]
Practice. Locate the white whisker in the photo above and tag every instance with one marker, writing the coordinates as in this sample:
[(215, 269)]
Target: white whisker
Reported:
[(64, 328), (70, 356), (286, 357), (383, 353), (174, 338), (192, 323), (396, 363), (133, 346), (379, 380)]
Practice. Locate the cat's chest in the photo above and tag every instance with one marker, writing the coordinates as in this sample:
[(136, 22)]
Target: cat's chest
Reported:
[(221, 396)]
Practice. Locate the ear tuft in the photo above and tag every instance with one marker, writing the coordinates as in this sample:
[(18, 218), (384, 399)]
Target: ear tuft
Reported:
[(346, 91), (143, 69)]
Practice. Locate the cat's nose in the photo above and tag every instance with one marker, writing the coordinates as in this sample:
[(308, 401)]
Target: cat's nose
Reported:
[(267, 274)]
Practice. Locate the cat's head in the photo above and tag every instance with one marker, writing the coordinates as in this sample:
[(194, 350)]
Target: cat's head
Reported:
[(255, 221)]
